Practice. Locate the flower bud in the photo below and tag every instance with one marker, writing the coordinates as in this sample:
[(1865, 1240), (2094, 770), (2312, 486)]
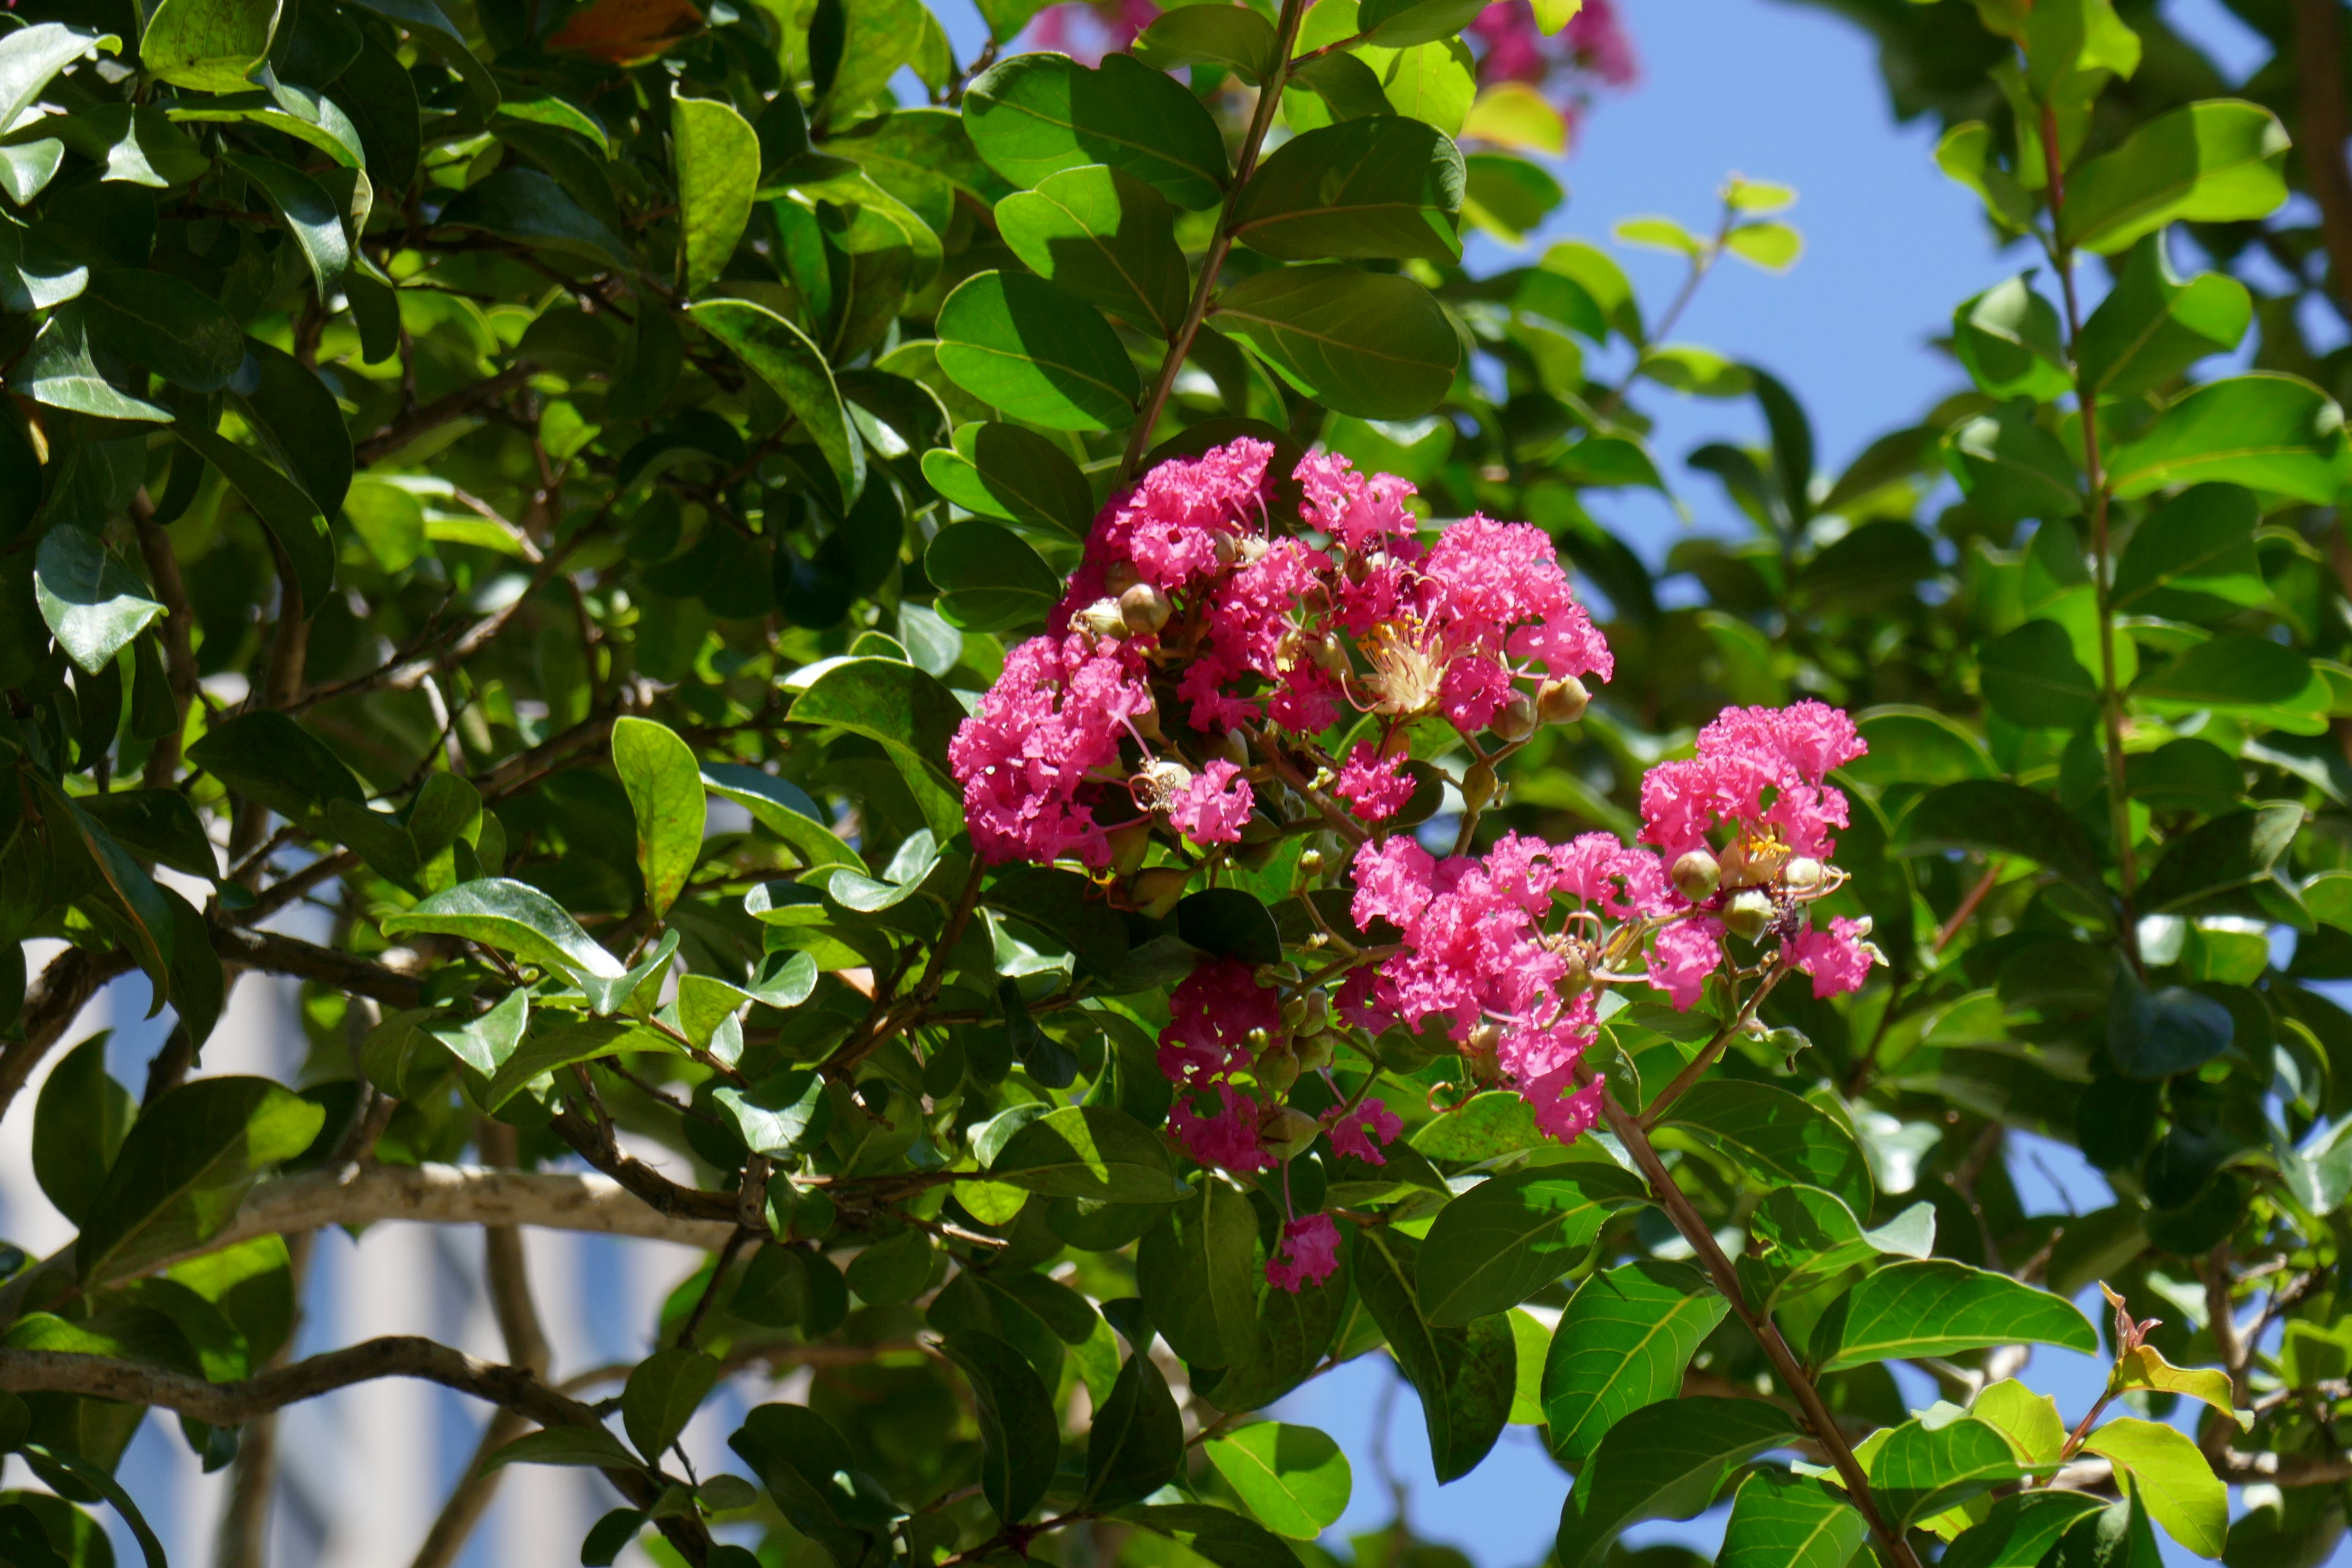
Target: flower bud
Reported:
[(1145, 608), (1310, 862), (1120, 576), (1285, 973), (1155, 891), (1276, 1071), (1514, 721), (1314, 1051), (1129, 843), (1397, 743), (1747, 913), (1480, 1048), (1316, 1012), (1257, 1040), (1331, 654), (1562, 701), (1294, 1012), (1696, 875), (1287, 1132), (1102, 619), (1231, 747), (1479, 786), (1575, 975), (1804, 874)]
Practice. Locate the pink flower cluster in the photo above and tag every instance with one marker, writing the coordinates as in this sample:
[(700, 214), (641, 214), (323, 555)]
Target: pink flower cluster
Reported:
[(1211, 1016), (1248, 624), (1593, 51)]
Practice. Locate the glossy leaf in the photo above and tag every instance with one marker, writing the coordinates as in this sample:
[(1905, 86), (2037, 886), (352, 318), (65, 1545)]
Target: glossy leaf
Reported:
[(1622, 1343), (1037, 114), (1466, 1376), (1922, 1470), (2000, 818), (1790, 1521), (989, 578), (1229, 35), (512, 917), (2267, 431), (2019, 1530), (664, 786), (1778, 1137), (1938, 1308), (1199, 1276), (1088, 1152), (285, 508), (1019, 1436), (661, 1397), (1379, 186), (782, 355), (1135, 1443), (2210, 162), (1665, 1461), (1105, 236), (1295, 1478), (310, 214), (2199, 542), (1004, 470), (92, 603), (212, 45), (1019, 343), (1219, 1535), (2171, 1477), (172, 327), (717, 160), (79, 1124), (2152, 326), (1371, 344), (1509, 1236)]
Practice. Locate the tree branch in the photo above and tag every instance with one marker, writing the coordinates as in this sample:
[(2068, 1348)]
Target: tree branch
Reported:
[(2321, 132), (416, 421), (52, 1003), (278, 954)]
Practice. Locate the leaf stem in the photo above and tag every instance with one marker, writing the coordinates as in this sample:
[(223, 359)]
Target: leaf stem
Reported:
[(1709, 1052), (2061, 259), (1629, 1132), (1180, 344)]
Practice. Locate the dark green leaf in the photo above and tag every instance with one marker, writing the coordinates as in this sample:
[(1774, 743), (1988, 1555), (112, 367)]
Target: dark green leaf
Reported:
[(515, 917), (2012, 468), (1923, 1471), (1004, 470), (663, 1393), (1198, 1274), (1089, 1152), (285, 508), (1379, 186), (1939, 1307), (1020, 1437), (267, 757), (2008, 337), (784, 809), (1466, 1376), (1229, 924), (592, 1448), (78, 1125), (1037, 114), (525, 207), (1371, 344), (2032, 679), (1400, 23), (1018, 344), (906, 709), (2152, 326), (2252, 677), (172, 327), (2199, 542), (1221, 1536), (782, 355), (311, 214), (1622, 1344), (2000, 818), (1105, 236), (2154, 1033), (2228, 852), (2019, 1530), (1663, 1461), (2266, 430), (58, 370), (1509, 1236), (1135, 1443), (1229, 35), (304, 423), (989, 578), (1777, 1137)]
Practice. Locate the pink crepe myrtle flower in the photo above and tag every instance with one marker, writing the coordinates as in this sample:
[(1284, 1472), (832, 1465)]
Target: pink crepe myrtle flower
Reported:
[(1308, 1254), (1213, 808), (1226, 1135), (1088, 30), (1742, 757), (1031, 761), (1839, 959), (1212, 1014), (1590, 53), (1375, 787), (1360, 1133), (1682, 958)]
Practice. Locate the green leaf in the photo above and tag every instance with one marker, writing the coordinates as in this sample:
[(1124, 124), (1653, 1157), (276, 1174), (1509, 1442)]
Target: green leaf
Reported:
[(1379, 186), (284, 507), (662, 1395), (2019, 1530), (1665, 1461), (2012, 468), (1019, 343), (2217, 856), (809, 1470), (1774, 246), (1790, 1521), (1922, 1470), (1400, 23), (58, 370), (1509, 1236), (1295, 1478), (1004, 470), (2218, 160), (1622, 1344), (2171, 1477), (1805, 1237), (989, 578), (1939, 1307), (1219, 1535), (664, 786), (212, 45), (30, 56), (267, 757), (515, 917), (172, 327), (1037, 114), (2008, 339), (878, 39), (2151, 326), (92, 603), (1368, 343), (2002, 819), (2266, 430), (782, 355), (2156, 1032), (1466, 1376), (2248, 677), (784, 809), (906, 709), (1198, 1274), (1106, 237), (1293, 1330), (185, 1167), (312, 215), (717, 161), (1135, 1443), (1020, 1437), (2031, 679), (1777, 1137), (101, 1481), (297, 111), (488, 1040), (78, 1125), (2199, 542), (1231, 37), (781, 1116), (588, 1446), (1089, 1152), (1230, 923), (304, 423), (524, 207), (559, 1040)]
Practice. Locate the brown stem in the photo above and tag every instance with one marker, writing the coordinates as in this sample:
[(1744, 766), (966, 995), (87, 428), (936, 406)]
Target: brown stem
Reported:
[(1968, 906), (1713, 1048), (2322, 129), (1180, 345), (52, 1003), (417, 420), (1893, 1546), (2061, 256)]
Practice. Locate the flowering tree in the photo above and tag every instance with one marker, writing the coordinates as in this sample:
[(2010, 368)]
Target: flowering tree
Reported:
[(925, 698)]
